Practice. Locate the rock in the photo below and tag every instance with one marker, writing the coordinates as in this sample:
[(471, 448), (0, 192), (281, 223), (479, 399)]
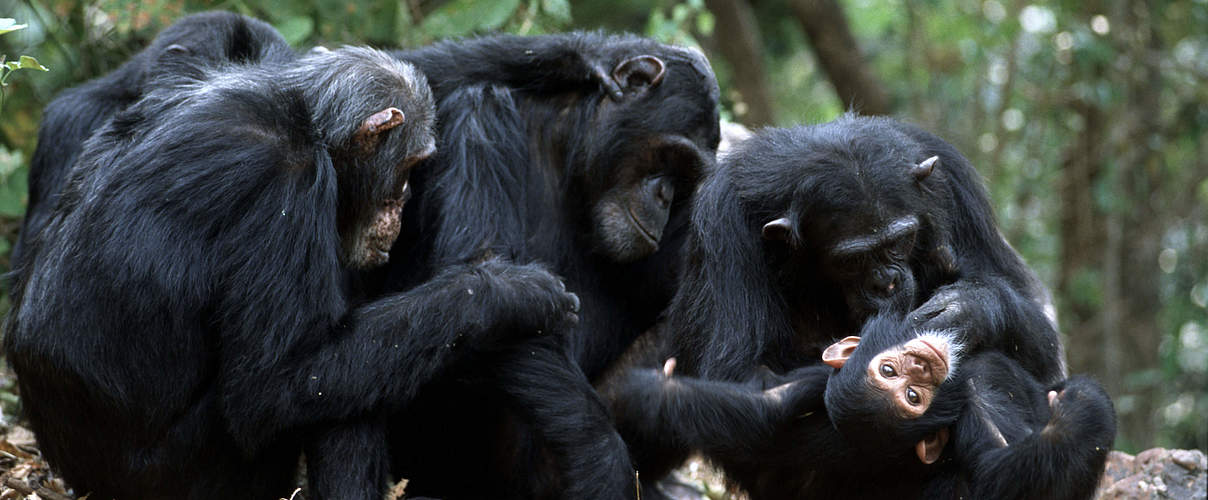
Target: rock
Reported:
[(1155, 473)]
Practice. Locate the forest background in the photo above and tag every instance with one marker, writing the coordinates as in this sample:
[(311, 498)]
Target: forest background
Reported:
[(1088, 120)]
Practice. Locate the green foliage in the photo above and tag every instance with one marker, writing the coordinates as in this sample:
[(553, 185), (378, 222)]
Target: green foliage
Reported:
[(8, 25), (678, 22)]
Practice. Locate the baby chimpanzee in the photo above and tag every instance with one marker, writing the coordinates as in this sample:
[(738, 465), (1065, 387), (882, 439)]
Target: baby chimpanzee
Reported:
[(1013, 436), (989, 429)]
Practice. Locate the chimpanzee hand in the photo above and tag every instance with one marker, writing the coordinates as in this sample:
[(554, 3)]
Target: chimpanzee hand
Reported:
[(801, 390), (1082, 412), (520, 301), (954, 307)]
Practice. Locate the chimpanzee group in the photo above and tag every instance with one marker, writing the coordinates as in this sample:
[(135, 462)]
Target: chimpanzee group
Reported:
[(513, 267)]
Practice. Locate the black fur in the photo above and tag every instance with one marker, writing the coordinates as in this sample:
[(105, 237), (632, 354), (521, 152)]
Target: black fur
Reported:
[(1008, 442), (533, 132), (747, 300), (76, 113), (187, 321), (779, 441)]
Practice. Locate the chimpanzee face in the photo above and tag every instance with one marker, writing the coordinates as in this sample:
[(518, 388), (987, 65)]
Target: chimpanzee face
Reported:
[(858, 220), (908, 374), (873, 267), (389, 165), (376, 114), (897, 391), (659, 134)]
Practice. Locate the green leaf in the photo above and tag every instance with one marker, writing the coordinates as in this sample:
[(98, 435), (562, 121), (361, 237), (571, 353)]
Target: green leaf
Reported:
[(27, 62), (296, 29), (705, 23), (462, 17), (557, 9), (8, 24)]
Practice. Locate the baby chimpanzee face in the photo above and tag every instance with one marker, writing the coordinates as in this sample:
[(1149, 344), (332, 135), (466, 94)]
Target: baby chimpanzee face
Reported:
[(906, 374), (910, 373)]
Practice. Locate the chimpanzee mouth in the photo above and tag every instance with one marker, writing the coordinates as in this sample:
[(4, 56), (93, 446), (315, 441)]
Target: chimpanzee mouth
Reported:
[(650, 238)]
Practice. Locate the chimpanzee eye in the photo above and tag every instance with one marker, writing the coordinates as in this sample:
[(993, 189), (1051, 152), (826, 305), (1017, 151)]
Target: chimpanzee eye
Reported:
[(887, 371), (912, 396)]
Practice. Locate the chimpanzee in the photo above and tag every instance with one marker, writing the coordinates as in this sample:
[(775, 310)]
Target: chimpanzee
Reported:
[(806, 231), (580, 151), (187, 320), (803, 233), (76, 113), (993, 431)]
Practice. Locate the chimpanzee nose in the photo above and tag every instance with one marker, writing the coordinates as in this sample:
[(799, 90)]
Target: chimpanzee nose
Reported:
[(918, 366), (886, 280)]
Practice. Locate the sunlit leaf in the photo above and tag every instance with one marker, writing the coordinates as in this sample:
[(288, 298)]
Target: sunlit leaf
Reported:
[(27, 62), (8, 25)]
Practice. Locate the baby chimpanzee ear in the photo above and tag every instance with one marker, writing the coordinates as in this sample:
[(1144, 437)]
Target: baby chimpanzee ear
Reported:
[(930, 447), (836, 355)]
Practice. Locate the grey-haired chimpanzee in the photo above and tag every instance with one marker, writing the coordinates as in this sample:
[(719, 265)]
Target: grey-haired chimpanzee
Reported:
[(580, 151), (802, 233), (993, 431), (187, 319), (77, 112)]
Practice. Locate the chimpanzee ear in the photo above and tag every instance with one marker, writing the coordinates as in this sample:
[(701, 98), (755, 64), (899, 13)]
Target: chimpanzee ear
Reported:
[(778, 230), (836, 355), (924, 168), (639, 71), (930, 448), (377, 123)]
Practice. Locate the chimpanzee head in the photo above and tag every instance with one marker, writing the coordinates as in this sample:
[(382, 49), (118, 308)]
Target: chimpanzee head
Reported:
[(894, 391), (209, 38), (652, 132), (375, 115), (860, 208)]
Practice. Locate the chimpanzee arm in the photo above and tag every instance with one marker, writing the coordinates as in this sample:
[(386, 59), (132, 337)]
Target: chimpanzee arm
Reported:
[(381, 353), (990, 313), (548, 389), (541, 64), (661, 414), (1064, 460)]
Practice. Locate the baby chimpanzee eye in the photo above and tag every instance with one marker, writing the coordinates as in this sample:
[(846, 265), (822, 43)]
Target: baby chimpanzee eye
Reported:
[(887, 371), (912, 396)]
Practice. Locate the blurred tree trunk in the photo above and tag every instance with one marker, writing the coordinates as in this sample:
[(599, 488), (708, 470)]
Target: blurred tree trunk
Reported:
[(1083, 235), (737, 37), (840, 56), (1110, 244)]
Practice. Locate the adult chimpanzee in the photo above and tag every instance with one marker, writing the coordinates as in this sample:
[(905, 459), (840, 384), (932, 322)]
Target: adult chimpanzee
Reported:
[(802, 233), (1008, 440), (189, 294), (580, 151), (806, 231), (78, 112)]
